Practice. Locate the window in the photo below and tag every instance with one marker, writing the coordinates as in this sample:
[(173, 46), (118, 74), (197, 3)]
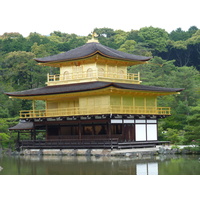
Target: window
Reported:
[(77, 72), (116, 129), (121, 74), (89, 73), (66, 75), (112, 73), (101, 72)]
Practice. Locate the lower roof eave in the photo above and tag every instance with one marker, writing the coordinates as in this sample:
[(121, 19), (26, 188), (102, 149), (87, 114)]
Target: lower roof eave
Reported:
[(22, 126), (96, 116), (70, 89)]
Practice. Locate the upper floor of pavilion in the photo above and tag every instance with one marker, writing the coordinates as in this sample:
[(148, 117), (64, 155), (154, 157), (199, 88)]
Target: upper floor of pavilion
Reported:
[(92, 62)]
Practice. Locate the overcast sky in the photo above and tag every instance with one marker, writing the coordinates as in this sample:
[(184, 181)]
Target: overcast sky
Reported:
[(82, 16)]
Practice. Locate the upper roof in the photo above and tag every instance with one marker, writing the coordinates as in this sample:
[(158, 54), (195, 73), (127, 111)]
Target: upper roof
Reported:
[(90, 49), (89, 86)]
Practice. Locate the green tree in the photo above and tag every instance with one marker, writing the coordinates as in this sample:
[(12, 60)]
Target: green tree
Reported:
[(128, 46), (12, 42), (188, 78), (18, 69), (133, 35), (156, 72), (7, 140), (106, 37), (39, 50), (180, 52), (194, 47), (60, 40), (192, 30), (193, 126), (175, 136), (155, 38), (185, 49), (105, 32), (180, 35), (4, 139), (120, 37), (36, 38), (76, 41)]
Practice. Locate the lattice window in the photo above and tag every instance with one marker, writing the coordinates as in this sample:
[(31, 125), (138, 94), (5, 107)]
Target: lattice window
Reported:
[(77, 72), (101, 72), (121, 74), (66, 75), (89, 73)]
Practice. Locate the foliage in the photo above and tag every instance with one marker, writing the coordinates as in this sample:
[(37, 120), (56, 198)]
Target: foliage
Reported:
[(7, 139), (176, 63), (183, 126), (195, 146), (156, 38), (180, 35), (17, 68), (175, 147), (128, 46), (183, 47), (174, 136), (4, 139)]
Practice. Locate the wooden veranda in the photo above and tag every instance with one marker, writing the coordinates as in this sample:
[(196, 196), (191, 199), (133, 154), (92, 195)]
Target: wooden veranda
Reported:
[(112, 143)]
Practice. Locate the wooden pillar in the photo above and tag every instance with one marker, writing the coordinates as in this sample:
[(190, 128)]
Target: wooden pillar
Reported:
[(33, 108), (48, 77), (18, 141), (123, 130), (109, 129), (93, 129), (79, 130), (34, 133), (138, 76), (46, 136), (145, 105), (31, 135), (18, 137)]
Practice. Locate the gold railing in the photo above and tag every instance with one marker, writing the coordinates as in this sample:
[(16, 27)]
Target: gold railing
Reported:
[(93, 75), (77, 111)]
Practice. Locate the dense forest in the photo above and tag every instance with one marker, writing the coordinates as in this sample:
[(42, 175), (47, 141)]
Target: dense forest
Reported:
[(175, 63)]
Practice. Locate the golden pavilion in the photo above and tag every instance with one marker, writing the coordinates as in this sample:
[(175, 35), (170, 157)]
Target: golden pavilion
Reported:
[(93, 102)]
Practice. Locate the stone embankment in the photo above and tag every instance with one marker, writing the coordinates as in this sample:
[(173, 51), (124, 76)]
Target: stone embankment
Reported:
[(139, 152)]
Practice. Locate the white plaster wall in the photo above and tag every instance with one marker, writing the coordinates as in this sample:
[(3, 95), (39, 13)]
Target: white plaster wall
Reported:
[(140, 132), (151, 131)]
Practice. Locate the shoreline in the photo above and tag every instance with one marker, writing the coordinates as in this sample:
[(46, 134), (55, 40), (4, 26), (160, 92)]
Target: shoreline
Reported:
[(135, 152)]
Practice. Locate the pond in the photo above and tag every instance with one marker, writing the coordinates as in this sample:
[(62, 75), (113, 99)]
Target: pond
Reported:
[(91, 165)]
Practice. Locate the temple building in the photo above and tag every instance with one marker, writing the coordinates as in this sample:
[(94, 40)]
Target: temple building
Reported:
[(93, 102)]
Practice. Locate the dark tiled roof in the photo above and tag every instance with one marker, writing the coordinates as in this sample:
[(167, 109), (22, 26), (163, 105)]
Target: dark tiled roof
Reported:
[(90, 49), (23, 126), (80, 87)]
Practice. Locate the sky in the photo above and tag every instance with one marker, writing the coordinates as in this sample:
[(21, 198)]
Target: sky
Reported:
[(82, 16)]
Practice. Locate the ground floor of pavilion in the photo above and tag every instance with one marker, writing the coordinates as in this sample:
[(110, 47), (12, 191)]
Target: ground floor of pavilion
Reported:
[(105, 131)]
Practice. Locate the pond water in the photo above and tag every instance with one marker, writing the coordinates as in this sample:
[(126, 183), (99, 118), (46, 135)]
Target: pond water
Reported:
[(91, 165)]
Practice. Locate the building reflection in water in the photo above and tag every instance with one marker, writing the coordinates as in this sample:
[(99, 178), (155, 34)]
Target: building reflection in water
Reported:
[(147, 168), (99, 165), (81, 165)]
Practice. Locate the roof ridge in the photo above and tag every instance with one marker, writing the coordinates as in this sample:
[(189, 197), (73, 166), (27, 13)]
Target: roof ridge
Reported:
[(109, 49)]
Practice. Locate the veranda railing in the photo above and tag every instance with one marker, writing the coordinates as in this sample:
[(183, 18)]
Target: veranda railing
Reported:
[(80, 111)]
